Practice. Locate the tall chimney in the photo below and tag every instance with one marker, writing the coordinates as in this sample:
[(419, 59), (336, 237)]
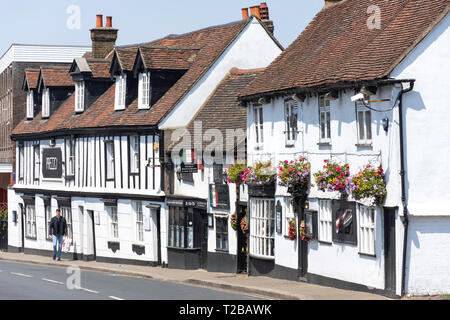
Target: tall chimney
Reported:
[(103, 38), (265, 18), (244, 13), (254, 11)]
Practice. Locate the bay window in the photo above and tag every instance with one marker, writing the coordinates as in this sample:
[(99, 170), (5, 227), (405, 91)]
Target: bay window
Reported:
[(262, 228), (121, 92), (181, 227), (144, 90)]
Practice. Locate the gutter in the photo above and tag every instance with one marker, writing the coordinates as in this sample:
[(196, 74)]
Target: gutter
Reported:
[(403, 182)]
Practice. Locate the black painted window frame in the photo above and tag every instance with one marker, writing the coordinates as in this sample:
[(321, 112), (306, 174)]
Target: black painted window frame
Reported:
[(222, 239)]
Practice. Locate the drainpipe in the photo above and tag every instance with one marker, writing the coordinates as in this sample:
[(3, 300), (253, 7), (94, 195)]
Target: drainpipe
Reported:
[(403, 181)]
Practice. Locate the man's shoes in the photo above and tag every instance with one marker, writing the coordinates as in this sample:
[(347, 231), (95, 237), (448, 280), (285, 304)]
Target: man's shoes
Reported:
[(59, 259), (54, 258)]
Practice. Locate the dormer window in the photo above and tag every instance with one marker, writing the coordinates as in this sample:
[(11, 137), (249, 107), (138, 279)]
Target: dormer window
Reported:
[(46, 103), (30, 104), (144, 90), (121, 92), (79, 96)]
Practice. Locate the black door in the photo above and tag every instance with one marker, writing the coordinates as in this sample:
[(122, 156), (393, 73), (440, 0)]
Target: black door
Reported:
[(241, 241), (22, 222), (3, 234), (158, 230), (91, 216), (302, 245), (389, 250), (204, 239)]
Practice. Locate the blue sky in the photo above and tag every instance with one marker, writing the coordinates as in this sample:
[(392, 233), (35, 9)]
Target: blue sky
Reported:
[(45, 21)]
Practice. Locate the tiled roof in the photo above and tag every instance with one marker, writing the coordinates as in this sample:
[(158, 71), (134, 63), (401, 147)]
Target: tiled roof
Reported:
[(32, 77), (337, 46), (212, 42), (221, 112), (169, 58), (126, 58), (99, 68), (56, 76)]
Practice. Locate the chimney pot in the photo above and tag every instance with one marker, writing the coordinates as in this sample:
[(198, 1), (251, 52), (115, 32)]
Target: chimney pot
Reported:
[(244, 13), (254, 11), (264, 11), (109, 22), (99, 21)]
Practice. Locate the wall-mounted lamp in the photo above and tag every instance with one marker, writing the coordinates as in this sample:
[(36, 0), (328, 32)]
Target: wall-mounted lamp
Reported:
[(299, 97), (369, 90), (332, 95), (385, 123), (263, 100), (52, 142)]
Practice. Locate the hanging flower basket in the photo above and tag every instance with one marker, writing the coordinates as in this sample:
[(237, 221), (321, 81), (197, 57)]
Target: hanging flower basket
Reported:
[(292, 230), (333, 177), (296, 176), (235, 172), (368, 185), (260, 179), (233, 221), (244, 225)]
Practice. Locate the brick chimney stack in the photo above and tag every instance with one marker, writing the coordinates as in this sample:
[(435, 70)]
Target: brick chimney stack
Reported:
[(262, 13), (103, 38)]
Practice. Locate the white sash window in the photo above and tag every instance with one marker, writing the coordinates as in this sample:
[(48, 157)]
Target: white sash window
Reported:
[(46, 103), (144, 90), (134, 154), (37, 162), (30, 104), (79, 96), (31, 222), (324, 120), (290, 117), (121, 92), (364, 123), (366, 230), (137, 207), (325, 221), (70, 154), (66, 212), (259, 126), (114, 222), (262, 228), (110, 172)]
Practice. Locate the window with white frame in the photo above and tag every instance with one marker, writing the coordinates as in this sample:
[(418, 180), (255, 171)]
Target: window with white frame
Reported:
[(30, 213), (121, 92), (366, 230), (30, 104), (139, 216), (324, 120), (144, 90), (21, 162), (48, 217), (46, 103), (112, 211), (134, 154), (290, 118), (325, 221), (288, 216), (37, 162), (259, 125), (79, 96), (364, 123), (70, 157), (66, 212), (109, 150), (262, 227)]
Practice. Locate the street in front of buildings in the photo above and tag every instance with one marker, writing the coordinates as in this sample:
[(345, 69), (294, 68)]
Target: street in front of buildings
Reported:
[(20, 281)]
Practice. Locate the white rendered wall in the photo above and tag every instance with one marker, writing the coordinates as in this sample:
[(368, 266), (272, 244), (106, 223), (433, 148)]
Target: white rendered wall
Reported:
[(253, 48)]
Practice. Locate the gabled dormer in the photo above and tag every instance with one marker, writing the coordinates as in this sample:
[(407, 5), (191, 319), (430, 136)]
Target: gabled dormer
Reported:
[(54, 87), (29, 86), (91, 78), (121, 69), (158, 68)]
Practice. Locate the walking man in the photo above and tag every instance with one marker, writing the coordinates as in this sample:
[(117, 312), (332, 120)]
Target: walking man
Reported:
[(57, 231)]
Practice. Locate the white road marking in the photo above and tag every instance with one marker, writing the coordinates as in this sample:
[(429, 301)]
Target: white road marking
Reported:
[(115, 298), (52, 281), (91, 291), (21, 275)]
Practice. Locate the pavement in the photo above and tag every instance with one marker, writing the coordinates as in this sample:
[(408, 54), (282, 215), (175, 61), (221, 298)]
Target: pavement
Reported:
[(269, 288)]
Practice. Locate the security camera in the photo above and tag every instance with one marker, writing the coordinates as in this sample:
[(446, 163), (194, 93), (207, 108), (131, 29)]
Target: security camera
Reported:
[(358, 97)]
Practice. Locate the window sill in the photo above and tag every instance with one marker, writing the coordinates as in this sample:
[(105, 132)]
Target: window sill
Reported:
[(324, 144), (363, 145), (325, 242), (367, 255), (222, 251), (290, 145), (184, 249), (30, 238)]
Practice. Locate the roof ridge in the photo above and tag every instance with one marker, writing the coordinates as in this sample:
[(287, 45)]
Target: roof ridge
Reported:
[(170, 47), (244, 71)]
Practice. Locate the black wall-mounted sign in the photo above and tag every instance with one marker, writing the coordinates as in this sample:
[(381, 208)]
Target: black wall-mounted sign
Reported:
[(189, 168), (187, 203), (219, 196), (344, 222), (279, 216), (52, 163)]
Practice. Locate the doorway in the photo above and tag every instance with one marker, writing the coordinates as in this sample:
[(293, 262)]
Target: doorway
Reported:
[(204, 238), (242, 240), (91, 250), (389, 250)]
